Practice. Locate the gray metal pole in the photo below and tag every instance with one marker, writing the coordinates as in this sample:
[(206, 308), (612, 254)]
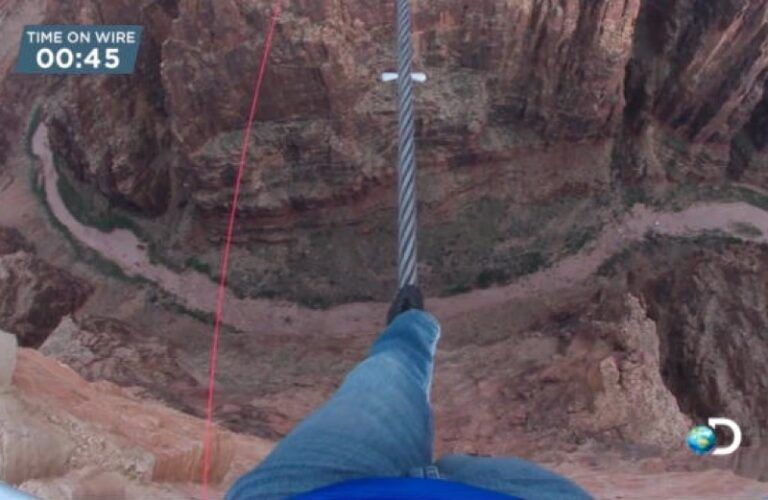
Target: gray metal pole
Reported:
[(406, 186)]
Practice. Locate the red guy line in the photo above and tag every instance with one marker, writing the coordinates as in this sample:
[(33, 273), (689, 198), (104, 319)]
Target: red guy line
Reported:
[(227, 249)]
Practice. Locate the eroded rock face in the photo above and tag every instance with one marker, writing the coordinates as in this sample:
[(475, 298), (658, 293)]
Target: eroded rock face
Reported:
[(506, 77), (34, 295), (107, 349), (534, 112), (111, 430), (695, 92), (503, 75), (700, 67), (592, 379), (632, 398), (711, 311), (112, 131), (30, 447)]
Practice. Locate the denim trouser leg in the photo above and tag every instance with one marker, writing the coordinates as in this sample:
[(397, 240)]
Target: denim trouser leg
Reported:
[(512, 476), (378, 423)]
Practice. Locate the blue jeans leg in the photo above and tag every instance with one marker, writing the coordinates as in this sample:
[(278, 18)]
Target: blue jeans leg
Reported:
[(512, 476), (378, 424)]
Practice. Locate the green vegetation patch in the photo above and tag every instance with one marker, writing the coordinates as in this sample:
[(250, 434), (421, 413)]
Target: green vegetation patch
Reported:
[(715, 239), (686, 194), (578, 237), (199, 265), (747, 230), (32, 124), (85, 210)]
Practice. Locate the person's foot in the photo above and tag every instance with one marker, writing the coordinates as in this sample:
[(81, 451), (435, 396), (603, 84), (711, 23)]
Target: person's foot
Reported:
[(408, 297)]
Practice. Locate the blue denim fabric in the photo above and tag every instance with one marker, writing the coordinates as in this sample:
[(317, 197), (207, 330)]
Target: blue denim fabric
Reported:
[(379, 424)]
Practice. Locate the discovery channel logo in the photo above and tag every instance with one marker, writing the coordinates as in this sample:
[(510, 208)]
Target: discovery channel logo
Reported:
[(702, 439)]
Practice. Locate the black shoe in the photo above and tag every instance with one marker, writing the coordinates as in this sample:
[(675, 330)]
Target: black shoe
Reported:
[(408, 297)]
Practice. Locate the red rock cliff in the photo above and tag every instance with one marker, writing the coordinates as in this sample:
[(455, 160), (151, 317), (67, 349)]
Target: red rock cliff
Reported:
[(535, 116)]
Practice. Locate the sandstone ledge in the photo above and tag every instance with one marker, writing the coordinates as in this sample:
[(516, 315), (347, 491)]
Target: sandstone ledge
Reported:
[(102, 430)]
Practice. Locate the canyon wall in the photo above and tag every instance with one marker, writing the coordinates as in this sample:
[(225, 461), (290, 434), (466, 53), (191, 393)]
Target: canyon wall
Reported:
[(535, 117), (34, 295)]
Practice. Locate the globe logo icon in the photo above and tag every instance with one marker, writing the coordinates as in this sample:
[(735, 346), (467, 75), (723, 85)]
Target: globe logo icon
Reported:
[(701, 440)]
